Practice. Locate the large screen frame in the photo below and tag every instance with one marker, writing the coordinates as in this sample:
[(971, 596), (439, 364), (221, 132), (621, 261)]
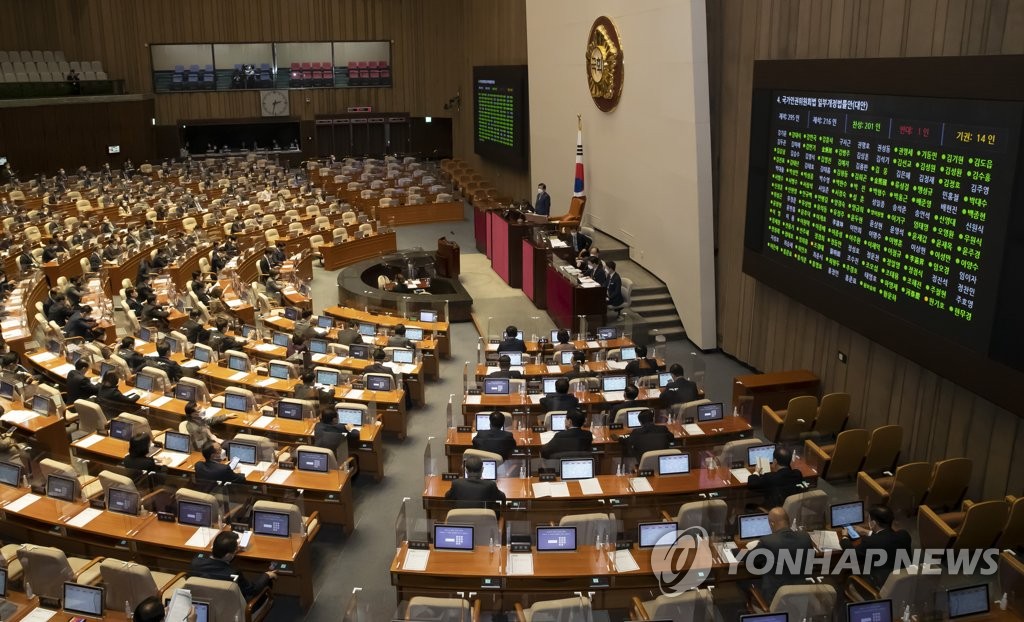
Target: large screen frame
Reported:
[(990, 374), (517, 76)]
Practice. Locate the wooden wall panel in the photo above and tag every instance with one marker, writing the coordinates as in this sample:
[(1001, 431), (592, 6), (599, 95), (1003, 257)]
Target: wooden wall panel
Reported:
[(435, 43), (771, 331)]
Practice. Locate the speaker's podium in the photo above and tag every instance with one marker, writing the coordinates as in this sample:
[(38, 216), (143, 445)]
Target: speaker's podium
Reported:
[(448, 262), (505, 232)]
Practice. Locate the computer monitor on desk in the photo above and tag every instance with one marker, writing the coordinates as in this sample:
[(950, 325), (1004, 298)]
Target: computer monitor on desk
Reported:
[(558, 422), (766, 452), (427, 315), (367, 330), (185, 392), (844, 514), (606, 333), (325, 321), (195, 513), (674, 464), (313, 461), (123, 501), (613, 384), (350, 416), (870, 611), (496, 386), (236, 402), (565, 357), (267, 523), (576, 468), (10, 474), (328, 377), (245, 453), (359, 351), (318, 346), (289, 410), (121, 429), (82, 599), (515, 359), (402, 356), (753, 526), (556, 539), (967, 601), (627, 353), (633, 417), (648, 534), (413, 333), (176, 441), (710, 412), (237, 363), (453, 537), (61, 488)]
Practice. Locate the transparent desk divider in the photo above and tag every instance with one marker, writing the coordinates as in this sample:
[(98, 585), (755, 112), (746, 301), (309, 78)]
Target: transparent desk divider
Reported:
[(626, 329), (453, 412), (696, 368), (570, 612), (358, 608), (435, 462), (412, 523), (445, 607), (584, 328)]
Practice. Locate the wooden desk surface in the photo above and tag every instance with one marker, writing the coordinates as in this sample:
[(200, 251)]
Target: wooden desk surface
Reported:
[(380, 319), (532, 402), (533, 347), (258, 384), (757, 381), (535, 371)]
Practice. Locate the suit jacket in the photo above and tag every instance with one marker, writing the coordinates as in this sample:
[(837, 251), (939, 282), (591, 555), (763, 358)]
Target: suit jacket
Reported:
[(194, 331), (398, 341), (173, 369), (474, 493), (348, 336), (217, 472), (206, 567), (776, 485), (679, 392), (567, 440), (79, 326), (378, 368), (648, 437), (783, 540), (641, 367), (332, 435), (133, 358), (79, 387), (512, 345), (497, 441), (615, 290), (885, 540), (508, 373), (599, 275), (113, 394), (559, 401), (543, 204)]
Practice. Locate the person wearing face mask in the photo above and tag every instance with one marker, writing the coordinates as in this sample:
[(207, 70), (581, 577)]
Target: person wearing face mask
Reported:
[(542, 205)]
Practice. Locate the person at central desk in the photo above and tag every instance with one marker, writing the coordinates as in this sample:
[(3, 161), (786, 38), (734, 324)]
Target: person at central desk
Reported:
[(778, 483), (110, 392), (217, 565), (572, 439), (560, 399), (512, 342), (473, 491), (399, 286), (648, 437), (505, 369), (211, 469), (496, 439)]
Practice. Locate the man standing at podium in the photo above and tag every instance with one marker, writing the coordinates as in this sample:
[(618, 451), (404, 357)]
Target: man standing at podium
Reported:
[(542, 205)]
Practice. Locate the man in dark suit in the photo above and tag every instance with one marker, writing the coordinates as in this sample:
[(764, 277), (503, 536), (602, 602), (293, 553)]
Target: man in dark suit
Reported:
[(879, 541), (512, 342), (217, 565), (542, 205), (212, 470), (778, 483), (596, 271), (579, 358), (631, 393), (266, 262), (305, 326), (163, 361), (679, 390), (648, 437), (505, 369), (496, 439), (782, 538), (579, 242), (399, 340), (347, 335), (193, 328), (81, 325), (615, 298), (641, 365), (78, 386), (473, 491), (378, 366), (560, 400), (128, 353), (153, 310), (573, 438)]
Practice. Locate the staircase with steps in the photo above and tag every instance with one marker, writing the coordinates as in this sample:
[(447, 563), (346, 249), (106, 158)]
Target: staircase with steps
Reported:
[(651, 312)]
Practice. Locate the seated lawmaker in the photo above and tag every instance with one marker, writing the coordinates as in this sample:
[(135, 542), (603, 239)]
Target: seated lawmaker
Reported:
[(879, 543), (163, 361), (495, 440), (399, 340), (641, 365), (572, 439), (110, 391), (579, 359), (778, 483), (564, 342), (505, 369), (512, 342), (473, 491), (78, 386), (560, 399), (614, 289), (126, 350), (648, 437), (679, 390), (329, 434), (783, 538), (217, 566), (211, 469)]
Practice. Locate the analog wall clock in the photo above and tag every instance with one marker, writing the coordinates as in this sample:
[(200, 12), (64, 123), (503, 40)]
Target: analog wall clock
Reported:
[(274, 103), (604, 64)]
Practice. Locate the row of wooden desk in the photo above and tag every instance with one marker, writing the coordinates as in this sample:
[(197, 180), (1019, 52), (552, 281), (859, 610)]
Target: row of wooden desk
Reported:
[(156, 544)]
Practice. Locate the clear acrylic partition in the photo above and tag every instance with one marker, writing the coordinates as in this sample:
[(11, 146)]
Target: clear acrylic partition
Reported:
[(435, 462), (359, 608), (453, 412), (626, 328), (578, 613), (412, 523), (584, 327), (696, 368)]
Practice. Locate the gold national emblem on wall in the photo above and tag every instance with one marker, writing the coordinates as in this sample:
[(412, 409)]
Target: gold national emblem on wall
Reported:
[(604, 64)]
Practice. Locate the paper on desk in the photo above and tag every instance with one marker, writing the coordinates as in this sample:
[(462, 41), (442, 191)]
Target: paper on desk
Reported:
[(614, 396), (556, 243), (63, 370), (88, 441), (234, 302), (18, 416), (160, 401), (624, 561), (640, 484), (22, 502), (192, 363), (536, 398), (42, 357), (211, 411), (202, 537), (591, 486), (550, 489), (10, 324), (266, 347), (279, 476), (82, 518), (741, 475), (726, 552), (692, 429), (320, 358), (520, 564), (368, 339), (416, 559), (472, 399), (616, 364), (238, 376), (337, 361), (171, 458), (39, 615), (825, 540), (589, 284), (266, 382), (554, 369), (546, 437), (262, 422), (401, 368), (354, 394)]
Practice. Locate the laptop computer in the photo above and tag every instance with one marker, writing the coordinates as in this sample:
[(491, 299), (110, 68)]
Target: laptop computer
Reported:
[(350, 416), (844, 514), (453, 537), (85, 600), (869, 611), (967, 601), (556, 539), (267, 523), (753, 526), (648, 534)]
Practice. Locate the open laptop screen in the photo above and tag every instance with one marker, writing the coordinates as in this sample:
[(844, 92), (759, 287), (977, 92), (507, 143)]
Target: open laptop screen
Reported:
[(85, 600), (754, 526), (966, 601), (843, 514), (311, 461)]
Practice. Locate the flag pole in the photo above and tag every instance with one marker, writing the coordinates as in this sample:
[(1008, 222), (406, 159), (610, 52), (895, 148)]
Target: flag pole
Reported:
[(579, 122)]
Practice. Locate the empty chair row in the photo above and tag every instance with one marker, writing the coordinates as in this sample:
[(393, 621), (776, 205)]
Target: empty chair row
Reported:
[(997, 523), (33, 55), (50, 66), (940, 486), (307, 66), (804, 416), (49, 76), (856, 450)]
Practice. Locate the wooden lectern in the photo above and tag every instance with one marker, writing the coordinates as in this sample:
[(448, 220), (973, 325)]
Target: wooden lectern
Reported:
[(448, 258)]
